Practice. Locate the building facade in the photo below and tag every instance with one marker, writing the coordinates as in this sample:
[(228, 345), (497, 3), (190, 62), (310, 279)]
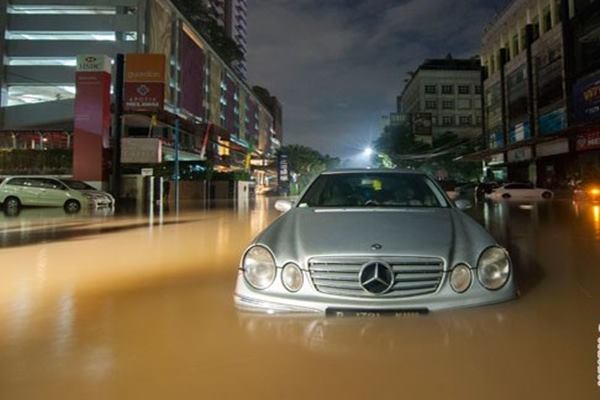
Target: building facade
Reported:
[(232, 15), (539, 57), (43, 39), (443, 96)]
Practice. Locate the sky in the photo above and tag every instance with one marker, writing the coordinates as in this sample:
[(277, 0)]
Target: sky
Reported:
[(337, 66)]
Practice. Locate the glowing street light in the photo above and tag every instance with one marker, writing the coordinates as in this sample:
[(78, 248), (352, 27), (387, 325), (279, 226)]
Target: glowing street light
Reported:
[(368, 151)]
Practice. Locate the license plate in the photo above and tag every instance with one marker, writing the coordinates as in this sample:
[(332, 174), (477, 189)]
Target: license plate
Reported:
[(343, 313)]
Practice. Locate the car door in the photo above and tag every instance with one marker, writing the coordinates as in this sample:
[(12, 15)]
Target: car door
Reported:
[(51, 193), (24, 189)]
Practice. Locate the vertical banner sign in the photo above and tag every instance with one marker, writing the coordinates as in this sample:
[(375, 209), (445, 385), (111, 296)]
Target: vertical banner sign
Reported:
[(92, 117), (283, 174), (144, 84)]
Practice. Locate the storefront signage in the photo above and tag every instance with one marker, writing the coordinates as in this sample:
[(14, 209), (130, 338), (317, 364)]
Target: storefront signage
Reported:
[(92, 117), (496, 159), (520, 154), (586, 98), (93, 63), (141, 151), (553, 122), (283, 170), (552, 148), (144, 82), (588, 141)]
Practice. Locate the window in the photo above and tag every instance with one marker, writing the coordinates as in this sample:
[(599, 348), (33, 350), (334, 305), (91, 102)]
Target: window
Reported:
[(18, 95), (17, 182), (464, 89), (478, 120), (447, 120), (465, 120), (478, 89), (547, 21), (101, 36), (430, 89), (430, 105), (366, 190), (536, 27), (447, 89), (43, 61), (448, 104), (515, 45), (464, 104)]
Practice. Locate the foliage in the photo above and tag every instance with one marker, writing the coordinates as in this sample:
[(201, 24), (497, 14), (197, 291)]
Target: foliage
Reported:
[(398, 146), (42, 162), (306, 163), (199, 15)]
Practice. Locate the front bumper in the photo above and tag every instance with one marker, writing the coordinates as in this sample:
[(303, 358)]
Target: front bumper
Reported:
[(308, 300)]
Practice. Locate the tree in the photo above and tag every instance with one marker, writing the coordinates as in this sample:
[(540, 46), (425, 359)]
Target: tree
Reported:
[(399, 145), (306, 163)]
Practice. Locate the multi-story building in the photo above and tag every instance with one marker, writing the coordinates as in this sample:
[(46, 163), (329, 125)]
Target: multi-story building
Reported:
[(443, 96), (44, 37), (232, 16), (275, 108), (533, 54)]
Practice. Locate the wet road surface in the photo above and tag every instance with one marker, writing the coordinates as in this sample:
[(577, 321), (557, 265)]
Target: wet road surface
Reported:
[(110, 308)]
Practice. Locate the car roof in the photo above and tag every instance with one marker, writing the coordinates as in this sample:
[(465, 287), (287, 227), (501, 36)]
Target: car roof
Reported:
[(371, 171)]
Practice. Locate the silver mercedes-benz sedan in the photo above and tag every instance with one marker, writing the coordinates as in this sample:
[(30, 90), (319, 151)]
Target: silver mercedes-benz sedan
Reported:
[(369, 243)]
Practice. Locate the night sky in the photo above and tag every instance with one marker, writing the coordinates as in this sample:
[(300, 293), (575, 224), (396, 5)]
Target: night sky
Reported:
[(338, 65)]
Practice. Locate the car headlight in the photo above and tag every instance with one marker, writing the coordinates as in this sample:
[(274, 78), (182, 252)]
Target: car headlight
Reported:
[(460, 278), (259, 267), (291, 277), (493, 268)]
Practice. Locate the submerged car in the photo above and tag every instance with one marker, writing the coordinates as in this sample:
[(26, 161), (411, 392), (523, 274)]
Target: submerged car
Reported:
[(521, 191), (587, 191), (72, 195), (373, 242)]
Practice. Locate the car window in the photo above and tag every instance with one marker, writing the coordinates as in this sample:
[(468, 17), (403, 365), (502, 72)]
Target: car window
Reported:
[(47, 183), (17, 182), (373, 190)]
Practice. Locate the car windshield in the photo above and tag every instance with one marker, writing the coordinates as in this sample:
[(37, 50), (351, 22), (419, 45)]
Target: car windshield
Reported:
[(373, 190), (77, 185)]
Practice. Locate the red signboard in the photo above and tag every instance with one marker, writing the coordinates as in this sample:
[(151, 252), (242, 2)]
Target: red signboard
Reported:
[(92, 120), (588, 140), (144, 82), (148, 96)]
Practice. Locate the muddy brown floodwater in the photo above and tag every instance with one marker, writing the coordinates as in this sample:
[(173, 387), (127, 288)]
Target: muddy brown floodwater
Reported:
[(110, 308)]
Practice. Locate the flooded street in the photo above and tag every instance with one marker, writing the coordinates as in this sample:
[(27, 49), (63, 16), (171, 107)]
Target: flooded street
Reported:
[(112, 308)]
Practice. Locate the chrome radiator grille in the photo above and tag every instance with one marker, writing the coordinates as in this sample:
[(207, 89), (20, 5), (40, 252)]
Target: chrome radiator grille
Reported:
[(339, 276)]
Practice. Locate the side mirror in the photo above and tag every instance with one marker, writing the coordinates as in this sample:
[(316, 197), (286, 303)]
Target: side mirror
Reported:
[(283, 206), (463, 204)]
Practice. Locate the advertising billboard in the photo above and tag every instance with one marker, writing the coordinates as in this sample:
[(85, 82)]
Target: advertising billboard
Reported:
[(193, 74), (144, 82), (588, 140), (422, 125), (586, 98)]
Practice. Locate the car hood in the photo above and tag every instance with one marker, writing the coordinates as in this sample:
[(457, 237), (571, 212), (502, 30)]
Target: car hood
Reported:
[(95, 193), (442, 232)]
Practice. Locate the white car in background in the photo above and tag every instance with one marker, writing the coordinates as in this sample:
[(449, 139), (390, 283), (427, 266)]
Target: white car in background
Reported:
[(521, 191)]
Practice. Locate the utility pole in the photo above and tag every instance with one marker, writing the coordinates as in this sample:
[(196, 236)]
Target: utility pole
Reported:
[(118, 126)]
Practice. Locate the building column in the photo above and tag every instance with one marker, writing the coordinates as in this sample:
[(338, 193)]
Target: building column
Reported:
[(503, 98), (531, 100)]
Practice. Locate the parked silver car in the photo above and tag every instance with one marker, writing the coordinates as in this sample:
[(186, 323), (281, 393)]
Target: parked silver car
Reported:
[(373, 242), (44, 191)]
